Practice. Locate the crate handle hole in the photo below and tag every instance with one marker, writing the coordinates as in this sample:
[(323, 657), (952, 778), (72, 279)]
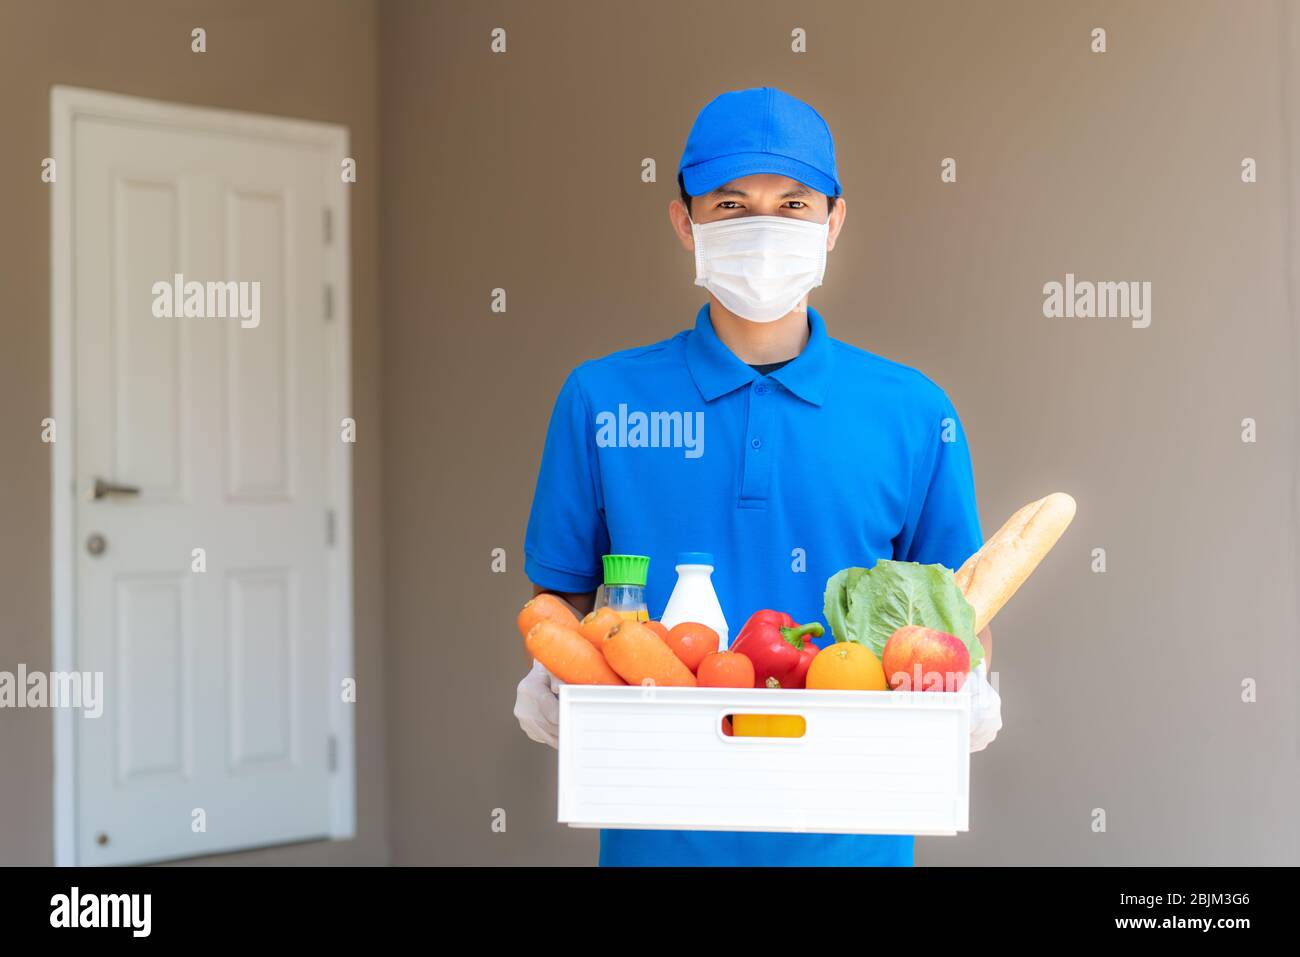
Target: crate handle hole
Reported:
[(764, 725)]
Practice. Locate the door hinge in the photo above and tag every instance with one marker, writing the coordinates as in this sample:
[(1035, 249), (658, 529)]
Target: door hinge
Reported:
[(327, 224), (329, 526), (329, 301), (332, 754)]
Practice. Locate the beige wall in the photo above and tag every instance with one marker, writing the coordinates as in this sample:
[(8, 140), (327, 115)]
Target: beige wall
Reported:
[(314, 59), (521, 171)]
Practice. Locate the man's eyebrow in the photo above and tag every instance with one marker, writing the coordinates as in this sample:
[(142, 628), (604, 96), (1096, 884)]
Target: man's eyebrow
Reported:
[(728, 190)]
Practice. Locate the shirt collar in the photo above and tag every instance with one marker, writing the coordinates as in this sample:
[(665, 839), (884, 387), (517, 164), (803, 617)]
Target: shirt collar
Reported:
[(717, 370)]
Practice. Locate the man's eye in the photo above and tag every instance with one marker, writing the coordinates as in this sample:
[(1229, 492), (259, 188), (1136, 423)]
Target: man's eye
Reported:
[(797, 204), (728, 204)]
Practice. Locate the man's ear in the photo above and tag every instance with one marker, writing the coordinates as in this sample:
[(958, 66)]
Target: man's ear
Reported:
[(835, 222), (681, 223)]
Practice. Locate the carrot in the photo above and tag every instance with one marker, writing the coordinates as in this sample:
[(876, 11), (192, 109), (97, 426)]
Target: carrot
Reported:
[(568, 655), (599, 624), (642, 658), (544, 607)]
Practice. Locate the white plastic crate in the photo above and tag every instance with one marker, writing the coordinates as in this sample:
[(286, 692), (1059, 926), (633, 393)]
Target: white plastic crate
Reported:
[(869, 762)]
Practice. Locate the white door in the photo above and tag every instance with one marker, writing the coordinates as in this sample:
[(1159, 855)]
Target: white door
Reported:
[(202, 432)]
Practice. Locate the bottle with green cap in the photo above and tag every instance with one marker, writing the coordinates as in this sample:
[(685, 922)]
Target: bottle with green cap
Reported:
[(624, 588)]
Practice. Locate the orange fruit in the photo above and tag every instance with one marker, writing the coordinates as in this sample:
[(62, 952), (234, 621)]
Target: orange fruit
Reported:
[(846, 666)]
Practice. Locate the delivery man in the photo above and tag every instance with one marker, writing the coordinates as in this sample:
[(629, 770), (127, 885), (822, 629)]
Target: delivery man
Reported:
[(806, 456)]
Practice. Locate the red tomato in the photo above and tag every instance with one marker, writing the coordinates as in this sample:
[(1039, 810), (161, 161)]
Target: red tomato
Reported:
[(657, 628), (726, 669), (691, 641)]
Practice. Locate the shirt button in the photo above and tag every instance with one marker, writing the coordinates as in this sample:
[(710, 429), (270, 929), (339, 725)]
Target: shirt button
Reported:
[(756, 443), (761, 389)]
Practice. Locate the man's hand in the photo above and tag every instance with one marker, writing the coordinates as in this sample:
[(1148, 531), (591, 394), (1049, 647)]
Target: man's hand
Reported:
[(537, 705), (537, 698), (985, 711)]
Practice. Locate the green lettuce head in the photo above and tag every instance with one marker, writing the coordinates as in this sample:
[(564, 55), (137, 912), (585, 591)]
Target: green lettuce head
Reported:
[(869, 605)]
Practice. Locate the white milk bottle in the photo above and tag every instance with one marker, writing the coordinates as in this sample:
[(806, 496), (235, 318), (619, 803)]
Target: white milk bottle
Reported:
[(693, 597)]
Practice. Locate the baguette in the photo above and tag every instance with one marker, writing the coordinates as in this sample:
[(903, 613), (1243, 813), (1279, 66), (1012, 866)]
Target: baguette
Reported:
[(991, 576)]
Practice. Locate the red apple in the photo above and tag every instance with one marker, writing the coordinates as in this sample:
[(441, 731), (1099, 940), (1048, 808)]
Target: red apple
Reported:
[(923, 659)]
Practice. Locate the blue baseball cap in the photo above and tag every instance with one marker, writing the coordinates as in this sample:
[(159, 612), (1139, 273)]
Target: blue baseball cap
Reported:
[(762, 130)]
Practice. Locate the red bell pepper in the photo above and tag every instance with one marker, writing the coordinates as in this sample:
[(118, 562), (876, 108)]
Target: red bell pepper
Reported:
[(778, 647)]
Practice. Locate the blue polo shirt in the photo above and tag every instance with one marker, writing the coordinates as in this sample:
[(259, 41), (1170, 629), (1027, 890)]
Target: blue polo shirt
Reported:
[(839, 458)]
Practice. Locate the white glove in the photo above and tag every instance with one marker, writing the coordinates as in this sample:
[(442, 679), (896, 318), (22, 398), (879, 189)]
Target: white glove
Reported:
[(985, 709), (537, 705)]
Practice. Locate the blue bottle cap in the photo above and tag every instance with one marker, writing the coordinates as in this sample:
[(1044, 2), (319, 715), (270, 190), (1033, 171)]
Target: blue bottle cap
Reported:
[(694, 558)]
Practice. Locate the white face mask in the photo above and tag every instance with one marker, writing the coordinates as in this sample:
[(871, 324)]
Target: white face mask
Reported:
[(760, 267)]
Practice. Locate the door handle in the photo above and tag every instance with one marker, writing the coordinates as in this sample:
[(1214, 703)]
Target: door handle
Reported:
[(103, 488)]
